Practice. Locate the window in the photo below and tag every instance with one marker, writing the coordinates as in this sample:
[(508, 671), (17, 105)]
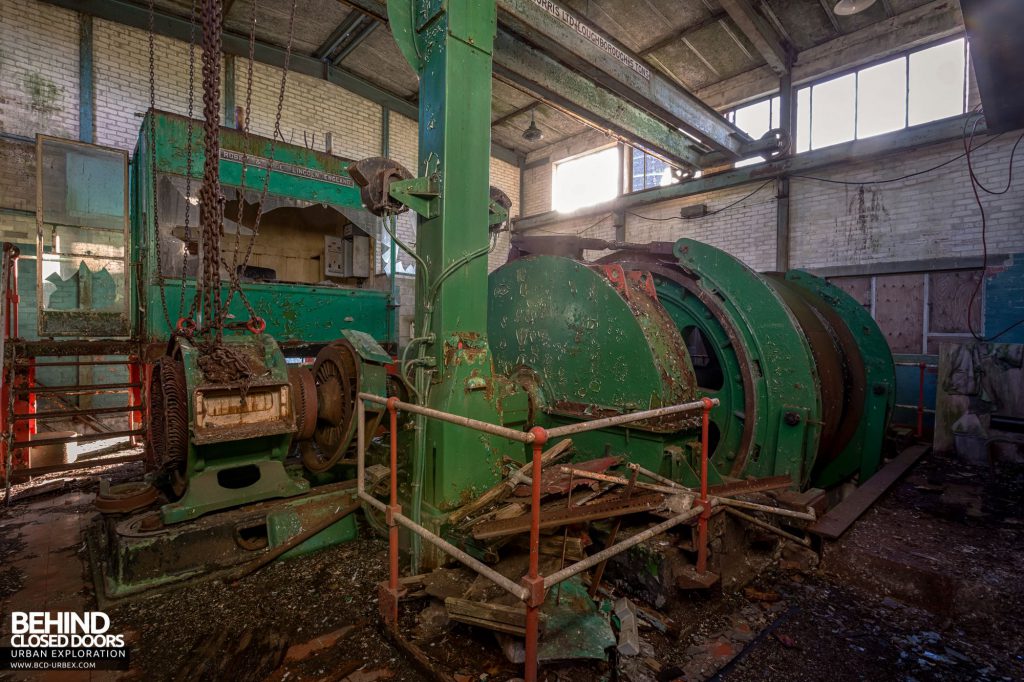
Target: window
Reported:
[(649, 171), (586, 180), (756, 119), (937, 83), (914, 88)]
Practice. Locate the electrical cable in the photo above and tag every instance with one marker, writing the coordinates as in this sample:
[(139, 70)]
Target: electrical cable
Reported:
[(976, 184), (711, 213)]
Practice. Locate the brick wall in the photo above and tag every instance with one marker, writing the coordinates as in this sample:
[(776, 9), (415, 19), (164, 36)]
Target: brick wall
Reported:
[(38, 69), (929, 216), (121, 58)]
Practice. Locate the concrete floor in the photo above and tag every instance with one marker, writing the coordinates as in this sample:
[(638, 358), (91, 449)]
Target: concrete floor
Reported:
[(924, 587)]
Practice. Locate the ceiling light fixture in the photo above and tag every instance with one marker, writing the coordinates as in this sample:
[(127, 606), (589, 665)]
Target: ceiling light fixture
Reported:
[(533, 133), (845, 8)]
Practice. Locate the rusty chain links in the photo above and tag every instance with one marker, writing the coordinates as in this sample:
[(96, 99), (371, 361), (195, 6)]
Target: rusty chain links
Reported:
[(188, 168), (211, 200), (151, 142), (234, 275)]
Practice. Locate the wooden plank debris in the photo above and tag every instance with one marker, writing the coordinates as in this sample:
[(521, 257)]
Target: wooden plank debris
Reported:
[(508, 619), (841, 517)]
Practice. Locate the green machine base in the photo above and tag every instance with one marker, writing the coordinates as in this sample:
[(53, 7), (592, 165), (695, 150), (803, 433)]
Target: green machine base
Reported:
[(139, 553), (219, 487)]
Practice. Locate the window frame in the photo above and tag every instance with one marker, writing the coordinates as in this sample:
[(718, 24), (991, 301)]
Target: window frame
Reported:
[(904, 54)]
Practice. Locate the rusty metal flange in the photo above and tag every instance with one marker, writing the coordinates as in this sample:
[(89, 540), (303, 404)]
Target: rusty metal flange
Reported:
[(126, 497)]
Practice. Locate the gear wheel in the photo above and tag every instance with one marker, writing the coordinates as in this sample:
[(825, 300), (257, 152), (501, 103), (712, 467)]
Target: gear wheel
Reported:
[(167, 444)]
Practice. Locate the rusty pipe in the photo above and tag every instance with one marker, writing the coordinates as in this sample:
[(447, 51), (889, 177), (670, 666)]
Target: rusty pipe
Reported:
[(619, 548), (475, 424), (767, 526), (605, 422)]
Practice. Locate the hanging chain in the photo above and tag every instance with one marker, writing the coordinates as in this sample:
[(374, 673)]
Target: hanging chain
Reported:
[(211, 200), (151, 142), (188, 169), (234, 272)]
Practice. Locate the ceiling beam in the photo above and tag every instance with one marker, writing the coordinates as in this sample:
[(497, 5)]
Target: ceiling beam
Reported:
[(572, 40), (338, 35), (356, 40), (516, 112), (683, 33), (826, 7), (764, 38), (576, 95)]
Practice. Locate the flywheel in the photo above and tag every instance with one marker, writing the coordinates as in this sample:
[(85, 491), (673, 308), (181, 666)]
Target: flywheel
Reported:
[(304, 400), (336, 379), (167, 446)]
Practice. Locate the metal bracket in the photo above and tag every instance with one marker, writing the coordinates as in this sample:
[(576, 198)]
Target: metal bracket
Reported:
[(423, 194), (498, 214)]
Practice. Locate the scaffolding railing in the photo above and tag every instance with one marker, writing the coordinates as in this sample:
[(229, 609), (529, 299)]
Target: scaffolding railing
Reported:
[(533, 587)]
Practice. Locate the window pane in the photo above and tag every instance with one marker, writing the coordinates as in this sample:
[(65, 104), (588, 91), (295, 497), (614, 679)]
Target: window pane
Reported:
[(586, 180), (754, 119), (638, 172), (776, 112), (937, 82), (881, 101), (833, 112), (803, 119)]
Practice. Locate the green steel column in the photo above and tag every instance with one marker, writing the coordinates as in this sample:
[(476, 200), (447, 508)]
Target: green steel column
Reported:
[(449, 44)]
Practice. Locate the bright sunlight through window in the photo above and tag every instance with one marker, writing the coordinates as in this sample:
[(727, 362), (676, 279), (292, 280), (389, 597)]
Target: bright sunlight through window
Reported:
[(586, 180)]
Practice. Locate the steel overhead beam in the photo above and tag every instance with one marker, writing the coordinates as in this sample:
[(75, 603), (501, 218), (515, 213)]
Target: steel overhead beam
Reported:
[(761, 34), (356, 41), (576, 94), (680, 35), (857, 150), (178, 28), (826, 7), (338, 35), (571, 39)]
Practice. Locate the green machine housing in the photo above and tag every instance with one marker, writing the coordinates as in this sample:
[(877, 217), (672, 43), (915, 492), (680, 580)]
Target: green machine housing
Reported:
[(804, 377), (310, 201)]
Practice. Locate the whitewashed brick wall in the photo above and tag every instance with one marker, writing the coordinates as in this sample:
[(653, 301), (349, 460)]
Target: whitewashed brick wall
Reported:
[(121, 58), (38, 69), (929, 216)]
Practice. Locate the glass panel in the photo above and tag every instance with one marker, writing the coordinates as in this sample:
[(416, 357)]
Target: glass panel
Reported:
[(74, 283), (586, 180), (754, 119), (776, 112), (881, 98), (82, 234), (936, 82), (833, 112), (803, 119)]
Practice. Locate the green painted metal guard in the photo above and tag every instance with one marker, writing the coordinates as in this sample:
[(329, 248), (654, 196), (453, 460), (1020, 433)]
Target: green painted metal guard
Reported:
[(780, 361)]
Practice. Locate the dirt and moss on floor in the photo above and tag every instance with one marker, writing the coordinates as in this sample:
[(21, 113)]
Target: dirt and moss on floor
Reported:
[(924, 587)]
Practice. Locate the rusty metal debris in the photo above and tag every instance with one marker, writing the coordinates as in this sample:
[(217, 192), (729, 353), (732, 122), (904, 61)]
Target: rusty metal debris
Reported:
[(124, 497), (555, 518)]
